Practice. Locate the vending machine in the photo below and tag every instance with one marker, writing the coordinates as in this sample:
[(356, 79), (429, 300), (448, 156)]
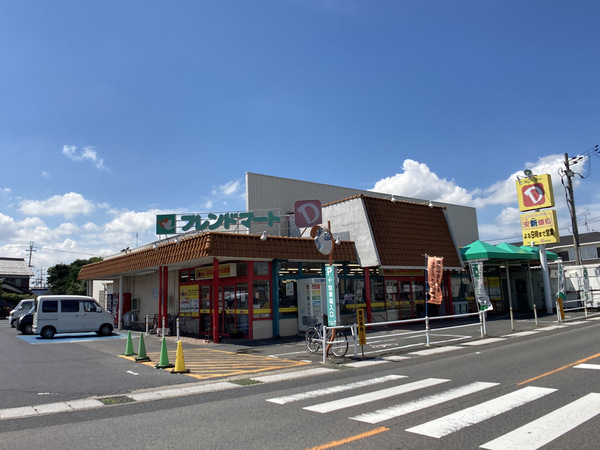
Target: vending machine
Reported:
[(311, 297)]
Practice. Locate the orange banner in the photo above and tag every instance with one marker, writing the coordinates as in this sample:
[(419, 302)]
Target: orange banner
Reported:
[(435, 270)]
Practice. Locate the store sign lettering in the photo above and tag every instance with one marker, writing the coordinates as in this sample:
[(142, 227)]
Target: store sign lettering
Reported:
[(167, 223)]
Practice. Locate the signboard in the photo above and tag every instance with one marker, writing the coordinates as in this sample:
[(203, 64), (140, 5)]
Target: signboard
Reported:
[(174, 223), (307, 213), (535, 192), (362, 330), (225, 270), (331, 289), (540, 227)]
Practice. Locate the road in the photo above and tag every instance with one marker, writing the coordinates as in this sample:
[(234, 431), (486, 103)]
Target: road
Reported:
[(515, 390)]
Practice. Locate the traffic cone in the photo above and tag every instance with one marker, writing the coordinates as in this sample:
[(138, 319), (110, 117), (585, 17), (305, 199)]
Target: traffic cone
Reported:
[(164, 357), (142, 356), (179, 362), (129, 347)]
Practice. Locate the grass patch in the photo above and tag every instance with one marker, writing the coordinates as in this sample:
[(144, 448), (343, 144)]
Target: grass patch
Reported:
[(116, 400), (245, 382)]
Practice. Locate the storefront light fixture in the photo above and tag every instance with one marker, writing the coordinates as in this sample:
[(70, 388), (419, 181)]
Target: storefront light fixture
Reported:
[(263, 237), (337, 241), (430, 204), (393, 199)]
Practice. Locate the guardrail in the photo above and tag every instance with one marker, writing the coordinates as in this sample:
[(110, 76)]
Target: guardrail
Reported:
[(426, 320)]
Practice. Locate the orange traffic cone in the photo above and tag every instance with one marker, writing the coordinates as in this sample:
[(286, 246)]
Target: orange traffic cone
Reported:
[(179, 362)]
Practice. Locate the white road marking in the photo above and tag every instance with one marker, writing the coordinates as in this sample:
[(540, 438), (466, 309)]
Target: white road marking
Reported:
[(425, 402), (433, 351), (333, 390), (484, 341), (538, 433), (453, 422), (373, 396), (587, 366)]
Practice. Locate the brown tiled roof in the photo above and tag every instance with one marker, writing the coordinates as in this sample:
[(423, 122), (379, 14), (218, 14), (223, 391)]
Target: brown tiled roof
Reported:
[(213, 244), (405, 232)]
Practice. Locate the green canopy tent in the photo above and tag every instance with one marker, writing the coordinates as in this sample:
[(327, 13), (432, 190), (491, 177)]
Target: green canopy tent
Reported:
[(550, 256), (479, 250), (504, 254)]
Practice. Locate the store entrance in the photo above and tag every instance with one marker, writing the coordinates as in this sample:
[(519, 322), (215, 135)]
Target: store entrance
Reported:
[(233, 310), (405, 297)]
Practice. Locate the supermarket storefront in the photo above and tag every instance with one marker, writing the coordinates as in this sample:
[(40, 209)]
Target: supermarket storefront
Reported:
[(258, 286)]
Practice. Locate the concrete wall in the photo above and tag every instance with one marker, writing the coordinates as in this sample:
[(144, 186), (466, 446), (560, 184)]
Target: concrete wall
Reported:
[(264, 192)]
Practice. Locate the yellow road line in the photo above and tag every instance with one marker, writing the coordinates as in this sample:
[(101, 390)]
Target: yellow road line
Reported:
[(581, 361), (350, 439)]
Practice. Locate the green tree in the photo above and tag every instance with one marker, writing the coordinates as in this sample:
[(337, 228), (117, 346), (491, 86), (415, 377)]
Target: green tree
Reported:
[(62, 278)]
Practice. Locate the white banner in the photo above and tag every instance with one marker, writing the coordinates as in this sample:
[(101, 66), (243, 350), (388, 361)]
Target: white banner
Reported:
[(481, 294)]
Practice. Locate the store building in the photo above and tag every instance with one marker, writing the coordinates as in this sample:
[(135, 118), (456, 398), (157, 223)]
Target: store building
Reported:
[(258, 275)]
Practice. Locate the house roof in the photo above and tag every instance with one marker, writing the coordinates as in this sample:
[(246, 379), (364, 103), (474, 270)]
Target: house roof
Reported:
[(199, 249), (14, 267), (404, 232)]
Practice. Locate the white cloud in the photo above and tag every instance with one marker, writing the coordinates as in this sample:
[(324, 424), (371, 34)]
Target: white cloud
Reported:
[(68, 205), (497, 205), (87, 154), (417, 181), (230, 188)]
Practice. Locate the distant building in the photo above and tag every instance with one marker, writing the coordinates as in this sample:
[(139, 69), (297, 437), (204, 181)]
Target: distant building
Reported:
[(15, 275), (589, 248)]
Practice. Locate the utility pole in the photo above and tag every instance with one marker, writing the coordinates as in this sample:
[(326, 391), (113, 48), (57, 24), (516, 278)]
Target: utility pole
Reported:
[(571, 205), (31, 250)]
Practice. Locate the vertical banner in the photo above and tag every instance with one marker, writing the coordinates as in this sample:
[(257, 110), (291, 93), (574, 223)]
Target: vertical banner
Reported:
[(331, 288), (481, 294), (586, 286), (435, 270), (362, 331)]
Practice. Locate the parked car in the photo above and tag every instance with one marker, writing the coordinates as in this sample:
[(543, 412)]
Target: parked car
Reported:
[(25, 322), (70, 314), (22, 308)]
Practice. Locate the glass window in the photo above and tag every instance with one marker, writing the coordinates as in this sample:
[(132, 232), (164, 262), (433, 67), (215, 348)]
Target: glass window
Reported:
[(89, 306), (315, 269), (241, 269), (288, 294), (287, 268), (50, 306), (241, 293), (69, 306), (261, 268), (261, 299)]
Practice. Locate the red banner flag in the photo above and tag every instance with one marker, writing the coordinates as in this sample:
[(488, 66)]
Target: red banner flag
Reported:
[(435, 270)]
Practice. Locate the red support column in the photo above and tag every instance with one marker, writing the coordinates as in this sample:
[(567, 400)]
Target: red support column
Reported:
[(165, 293), (160, 296), (215, 300), (367, 291)]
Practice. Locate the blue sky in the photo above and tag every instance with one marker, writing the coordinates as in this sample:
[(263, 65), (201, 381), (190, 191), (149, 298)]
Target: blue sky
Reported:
[(115, 111)]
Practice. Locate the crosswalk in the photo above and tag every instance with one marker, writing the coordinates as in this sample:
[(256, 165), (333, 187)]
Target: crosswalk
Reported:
[(435, 392)]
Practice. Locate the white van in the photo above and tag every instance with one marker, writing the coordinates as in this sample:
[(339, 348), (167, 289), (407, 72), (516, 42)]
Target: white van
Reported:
[(22, 308), (70, 314)]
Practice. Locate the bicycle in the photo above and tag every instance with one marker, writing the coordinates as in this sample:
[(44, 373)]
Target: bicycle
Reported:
[(314, 340)]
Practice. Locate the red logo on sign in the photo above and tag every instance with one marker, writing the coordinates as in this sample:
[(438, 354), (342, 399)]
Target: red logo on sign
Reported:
[(307, 213), (533, 195)]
